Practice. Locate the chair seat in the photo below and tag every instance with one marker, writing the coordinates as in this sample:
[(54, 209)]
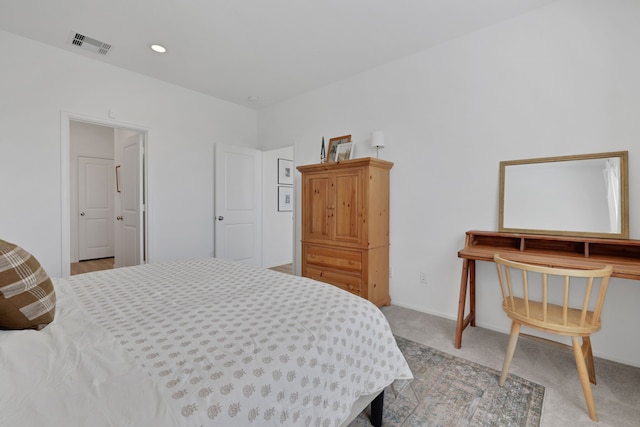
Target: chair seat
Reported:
[(554, 322)]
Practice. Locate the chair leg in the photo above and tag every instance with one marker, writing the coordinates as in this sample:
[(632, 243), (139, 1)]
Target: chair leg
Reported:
[(587, 353), (584, 377), (511, 349)]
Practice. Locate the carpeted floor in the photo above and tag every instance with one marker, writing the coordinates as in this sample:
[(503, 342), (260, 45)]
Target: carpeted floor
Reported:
[(450, 391)]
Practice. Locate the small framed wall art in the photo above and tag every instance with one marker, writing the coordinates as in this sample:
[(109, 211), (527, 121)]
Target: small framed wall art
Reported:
[(285, 199), (333, 146), (285, 171)]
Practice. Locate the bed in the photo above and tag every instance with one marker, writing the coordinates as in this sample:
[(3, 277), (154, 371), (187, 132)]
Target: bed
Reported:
[(203, 342)]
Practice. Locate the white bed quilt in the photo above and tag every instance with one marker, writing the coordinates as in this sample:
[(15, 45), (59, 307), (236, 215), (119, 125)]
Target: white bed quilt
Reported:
[(197, 343)]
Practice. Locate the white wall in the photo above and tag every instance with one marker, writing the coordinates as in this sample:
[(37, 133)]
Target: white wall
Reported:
[(277, 227), (560, 80), (38, 83)]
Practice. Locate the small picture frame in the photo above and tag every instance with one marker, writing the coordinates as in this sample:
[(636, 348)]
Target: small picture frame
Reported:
[(285, 171), (333, 146), (344, 152), (285, 199)]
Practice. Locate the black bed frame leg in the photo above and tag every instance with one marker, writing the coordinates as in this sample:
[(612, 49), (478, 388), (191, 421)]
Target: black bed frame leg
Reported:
[(377, 405)]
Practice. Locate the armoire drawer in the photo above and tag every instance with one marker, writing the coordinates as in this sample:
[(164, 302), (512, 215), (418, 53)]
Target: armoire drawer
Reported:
[(333, 258), (347, 282)]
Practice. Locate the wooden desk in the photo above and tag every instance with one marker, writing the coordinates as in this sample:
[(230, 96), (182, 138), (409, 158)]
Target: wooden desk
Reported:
[(554, 251)]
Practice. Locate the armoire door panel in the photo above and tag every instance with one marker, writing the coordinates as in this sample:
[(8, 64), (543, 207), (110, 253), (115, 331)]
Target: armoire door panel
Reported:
[(316, 206), (347, 222)]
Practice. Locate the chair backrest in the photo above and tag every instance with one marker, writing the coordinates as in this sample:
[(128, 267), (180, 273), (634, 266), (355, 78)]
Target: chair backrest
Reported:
[(558, 300)]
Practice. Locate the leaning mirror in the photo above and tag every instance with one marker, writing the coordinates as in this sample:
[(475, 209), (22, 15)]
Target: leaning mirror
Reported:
[(583, 195)]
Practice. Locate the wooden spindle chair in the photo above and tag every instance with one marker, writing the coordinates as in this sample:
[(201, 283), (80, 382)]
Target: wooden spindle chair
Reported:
[(575, 313)]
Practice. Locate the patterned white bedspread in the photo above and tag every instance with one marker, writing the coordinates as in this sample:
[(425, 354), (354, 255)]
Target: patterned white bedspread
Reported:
[(198, 343)]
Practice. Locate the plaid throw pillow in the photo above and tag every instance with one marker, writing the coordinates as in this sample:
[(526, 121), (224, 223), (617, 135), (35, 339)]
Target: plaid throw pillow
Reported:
[(27, 297)]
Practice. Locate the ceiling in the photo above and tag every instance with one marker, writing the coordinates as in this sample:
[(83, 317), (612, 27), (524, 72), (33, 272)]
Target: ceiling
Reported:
[(237, 49)]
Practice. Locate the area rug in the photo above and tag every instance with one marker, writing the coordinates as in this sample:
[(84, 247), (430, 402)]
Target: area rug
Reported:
[(450, 391)]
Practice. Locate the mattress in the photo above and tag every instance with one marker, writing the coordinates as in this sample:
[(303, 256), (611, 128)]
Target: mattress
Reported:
[(202, 342)]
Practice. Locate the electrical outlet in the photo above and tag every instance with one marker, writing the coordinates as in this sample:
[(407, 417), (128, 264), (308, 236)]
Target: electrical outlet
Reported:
[(423, 277)]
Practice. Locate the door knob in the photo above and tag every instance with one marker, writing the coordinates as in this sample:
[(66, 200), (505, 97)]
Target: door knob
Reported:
[(119, 218), (81, 213), (220, 218)]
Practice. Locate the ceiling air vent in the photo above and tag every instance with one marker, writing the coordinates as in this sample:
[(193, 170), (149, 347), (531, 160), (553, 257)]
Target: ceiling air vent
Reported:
[(93, 45)]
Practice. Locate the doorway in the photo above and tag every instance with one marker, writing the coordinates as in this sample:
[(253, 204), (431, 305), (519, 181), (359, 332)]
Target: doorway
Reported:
[(105, 180), (247, 195), (278, 237)]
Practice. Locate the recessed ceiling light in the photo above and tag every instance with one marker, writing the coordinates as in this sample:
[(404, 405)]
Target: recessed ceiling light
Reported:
[(253, 98), (158, 48)]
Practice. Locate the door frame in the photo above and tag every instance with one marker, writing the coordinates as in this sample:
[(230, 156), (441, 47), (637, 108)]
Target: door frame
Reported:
[(66, 118)]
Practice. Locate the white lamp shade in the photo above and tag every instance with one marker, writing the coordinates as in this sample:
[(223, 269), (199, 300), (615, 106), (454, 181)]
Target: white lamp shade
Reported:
[(377, 139)]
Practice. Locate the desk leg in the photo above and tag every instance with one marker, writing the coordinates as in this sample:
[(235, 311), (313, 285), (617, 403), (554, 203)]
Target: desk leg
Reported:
[(468, 279), (472, 291), (461, 302)]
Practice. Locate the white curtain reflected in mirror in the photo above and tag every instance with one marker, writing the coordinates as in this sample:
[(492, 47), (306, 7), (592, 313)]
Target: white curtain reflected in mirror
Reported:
[(582, 195), (611, 174)]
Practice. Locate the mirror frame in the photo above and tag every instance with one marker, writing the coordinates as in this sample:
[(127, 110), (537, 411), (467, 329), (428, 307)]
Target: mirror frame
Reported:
[(624, 195)]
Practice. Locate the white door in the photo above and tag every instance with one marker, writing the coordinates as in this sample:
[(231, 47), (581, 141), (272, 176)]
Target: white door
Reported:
[(130, 225), (95, 205), (238, 204)]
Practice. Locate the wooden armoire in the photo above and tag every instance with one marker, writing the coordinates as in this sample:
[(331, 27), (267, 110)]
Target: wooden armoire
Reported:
[(345, 226)]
